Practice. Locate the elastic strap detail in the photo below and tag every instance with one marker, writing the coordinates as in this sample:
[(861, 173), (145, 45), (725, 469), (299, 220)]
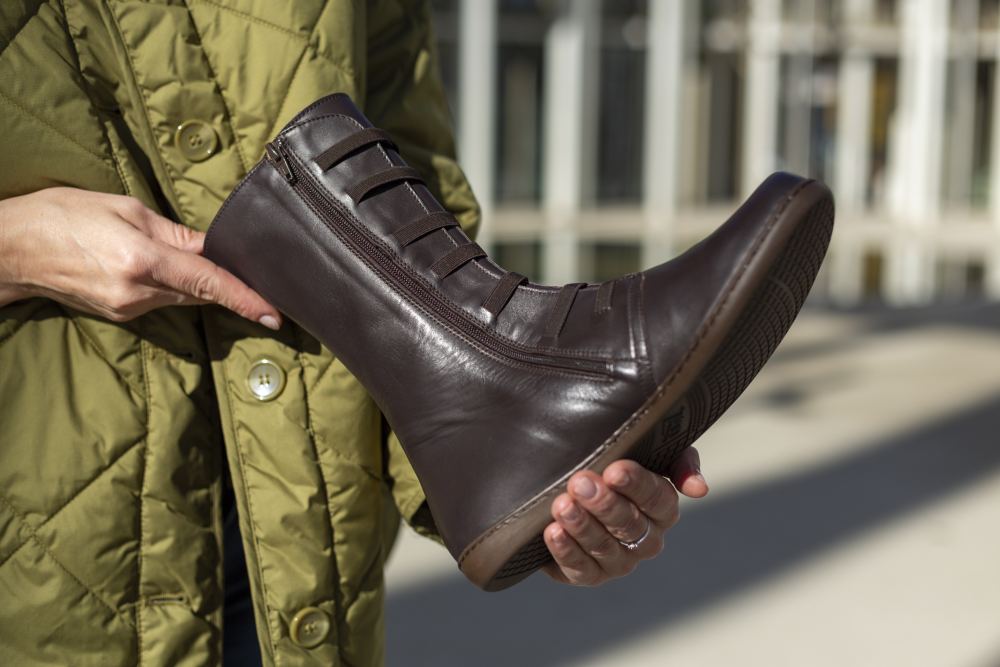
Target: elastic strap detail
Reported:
[(456, 257), (602, 303), (502, 292), (557, 316), (358, 191), (412, 231), (344, 147)]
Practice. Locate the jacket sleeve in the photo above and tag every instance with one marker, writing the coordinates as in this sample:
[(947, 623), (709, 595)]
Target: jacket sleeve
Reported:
[(405, 96)]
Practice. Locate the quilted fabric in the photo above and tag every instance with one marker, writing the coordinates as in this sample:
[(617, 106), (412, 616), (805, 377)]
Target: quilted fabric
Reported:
[(114, 437)]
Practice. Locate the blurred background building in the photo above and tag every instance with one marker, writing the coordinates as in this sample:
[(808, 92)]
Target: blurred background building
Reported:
[(856, 483), (605, 136)]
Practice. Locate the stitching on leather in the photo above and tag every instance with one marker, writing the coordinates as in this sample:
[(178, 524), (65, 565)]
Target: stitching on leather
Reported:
[(41, 545), (388, 161), (296, 124), (409, 187), (629, 291), (318, 103), (86, 485), (421, 308), (639, 414), (584, 354), (580, 353), (645, 364)]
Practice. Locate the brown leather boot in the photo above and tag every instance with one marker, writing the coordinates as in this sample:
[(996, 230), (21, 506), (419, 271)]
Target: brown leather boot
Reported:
[(499, 388)]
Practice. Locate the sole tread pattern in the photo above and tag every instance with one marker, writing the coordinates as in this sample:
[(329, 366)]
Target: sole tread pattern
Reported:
[(750, 343)]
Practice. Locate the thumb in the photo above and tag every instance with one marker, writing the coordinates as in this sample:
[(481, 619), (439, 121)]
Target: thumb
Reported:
[(686, 475), (194, 275)]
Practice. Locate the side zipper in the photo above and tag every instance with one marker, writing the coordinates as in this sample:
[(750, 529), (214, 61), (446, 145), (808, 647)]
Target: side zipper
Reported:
[(361, 243)]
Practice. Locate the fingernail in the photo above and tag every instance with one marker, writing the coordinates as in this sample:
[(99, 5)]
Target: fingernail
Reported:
[(619, 477), (270, 321), (570, 513), (584, 487)]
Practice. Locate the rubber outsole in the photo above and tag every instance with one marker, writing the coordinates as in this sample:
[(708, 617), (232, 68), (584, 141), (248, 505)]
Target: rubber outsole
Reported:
[(762, 304)]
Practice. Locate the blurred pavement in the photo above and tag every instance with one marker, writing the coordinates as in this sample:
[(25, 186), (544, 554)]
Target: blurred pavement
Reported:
[(854, 519)]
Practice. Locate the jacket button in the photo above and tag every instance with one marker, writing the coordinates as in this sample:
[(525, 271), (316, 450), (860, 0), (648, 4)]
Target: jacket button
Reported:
[(310, 627), (265, 380), (196, 140)]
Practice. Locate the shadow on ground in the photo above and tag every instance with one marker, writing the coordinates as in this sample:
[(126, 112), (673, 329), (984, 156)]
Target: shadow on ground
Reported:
[(879, 320), (720, 549)]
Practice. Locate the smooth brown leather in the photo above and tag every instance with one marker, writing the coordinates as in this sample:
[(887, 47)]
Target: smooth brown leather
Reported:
[(484, 433)]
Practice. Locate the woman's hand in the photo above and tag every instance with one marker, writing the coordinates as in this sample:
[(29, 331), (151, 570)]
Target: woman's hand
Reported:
[(111, 256), (622, 504)]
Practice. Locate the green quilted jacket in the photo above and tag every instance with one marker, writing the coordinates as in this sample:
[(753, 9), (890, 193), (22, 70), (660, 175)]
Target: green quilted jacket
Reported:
[(114, 438)]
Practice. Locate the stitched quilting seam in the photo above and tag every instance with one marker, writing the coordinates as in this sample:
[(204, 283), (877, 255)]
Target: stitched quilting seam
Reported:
[(41, 545), (291, 33), (222, 93), (164, 164), (115, 161), (322, 374), (76, 494), (41, 121), (140, 563), (288, 88), (337, 593), (254, 19), (241, 455), (27, 20), (298, 65), (97, 350)]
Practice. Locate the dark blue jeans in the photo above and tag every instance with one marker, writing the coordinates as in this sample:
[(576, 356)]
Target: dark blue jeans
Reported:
[(239, 633)]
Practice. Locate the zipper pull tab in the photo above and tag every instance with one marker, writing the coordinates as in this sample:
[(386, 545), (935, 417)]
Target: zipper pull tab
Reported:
[(276, 156)]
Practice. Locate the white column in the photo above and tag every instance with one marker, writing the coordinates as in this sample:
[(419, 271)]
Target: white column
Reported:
[(664, 69), (961, 134), (760, 122), (477, 48), (993, 258), (915, 154), (854, 113), (797, 89), (853, 150), (570, 132)]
